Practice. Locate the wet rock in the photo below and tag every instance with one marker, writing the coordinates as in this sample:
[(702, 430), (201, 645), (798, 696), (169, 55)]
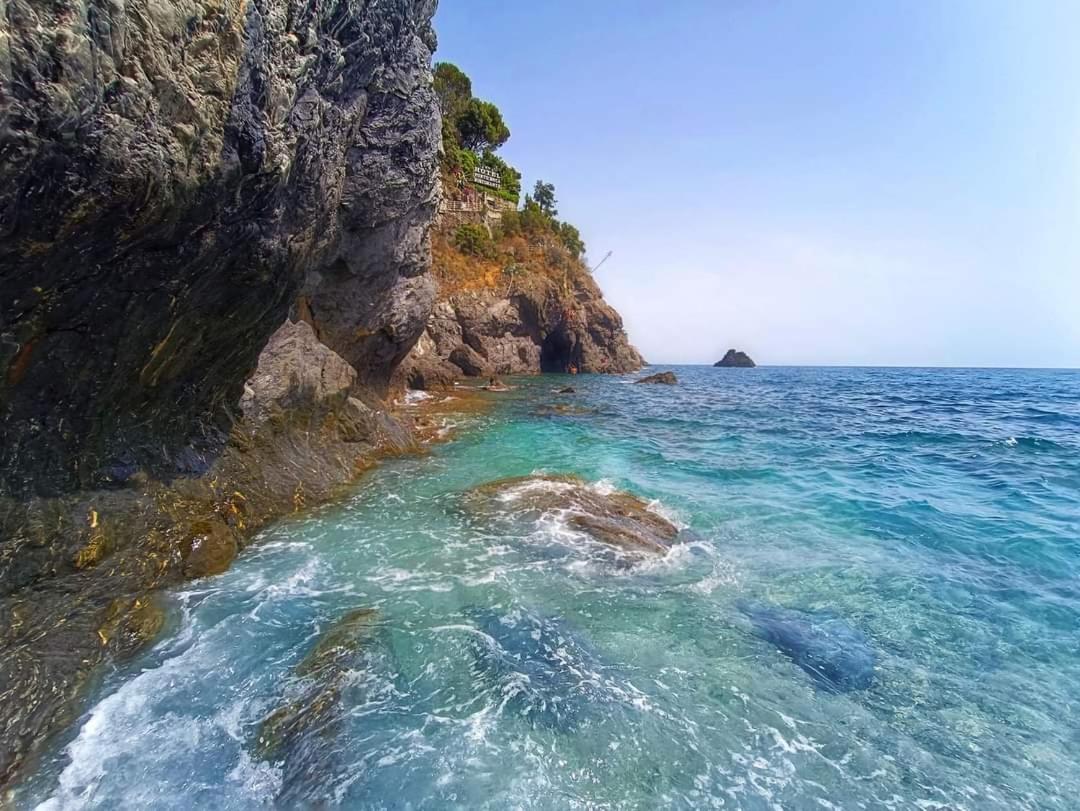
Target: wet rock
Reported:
[(567, 390), (660, 378), (735, 359), (301, 734), (543, 672), (325, 667), (209, 549), (131, 623), (838, 657), (618, 520)]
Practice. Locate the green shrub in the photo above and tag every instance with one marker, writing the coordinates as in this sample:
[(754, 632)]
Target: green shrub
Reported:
[(510, 224), (571, 238), (474, 240)]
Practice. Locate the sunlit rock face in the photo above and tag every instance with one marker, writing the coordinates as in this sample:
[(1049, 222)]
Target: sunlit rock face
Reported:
[(176, 176)]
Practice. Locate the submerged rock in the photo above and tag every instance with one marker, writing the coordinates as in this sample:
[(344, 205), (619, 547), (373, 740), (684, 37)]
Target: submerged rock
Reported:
[(302, 730), (616, 519), (543, 671), (567, 390), (660, 378), (335, 653), (735, 358), (564, 410), (836, 656)]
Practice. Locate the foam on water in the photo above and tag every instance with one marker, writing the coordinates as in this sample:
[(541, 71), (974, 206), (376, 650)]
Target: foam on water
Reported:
[(937, 513)]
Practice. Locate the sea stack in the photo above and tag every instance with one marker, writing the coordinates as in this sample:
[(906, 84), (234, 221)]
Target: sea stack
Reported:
[(736, 358)]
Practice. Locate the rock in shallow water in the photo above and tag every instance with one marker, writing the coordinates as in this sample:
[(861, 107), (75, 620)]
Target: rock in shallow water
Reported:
[(543, 671), (836, 656), (660, 378), (301, 731), (616, 519)]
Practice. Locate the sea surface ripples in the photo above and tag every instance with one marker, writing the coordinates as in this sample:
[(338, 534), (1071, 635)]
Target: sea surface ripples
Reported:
[(932, 516)]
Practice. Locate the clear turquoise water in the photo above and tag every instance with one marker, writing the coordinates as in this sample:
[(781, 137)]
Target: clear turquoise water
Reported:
[(937, 512)]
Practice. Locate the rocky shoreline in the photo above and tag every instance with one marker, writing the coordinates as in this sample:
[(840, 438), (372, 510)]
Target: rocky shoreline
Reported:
[(214, 257)]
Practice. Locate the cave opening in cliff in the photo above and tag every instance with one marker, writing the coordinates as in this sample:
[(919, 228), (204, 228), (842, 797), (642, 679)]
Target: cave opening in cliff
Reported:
[(558, 353)]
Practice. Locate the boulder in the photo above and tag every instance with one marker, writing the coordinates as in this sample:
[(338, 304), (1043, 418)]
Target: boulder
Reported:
[(469, 361), (618, 520), (734, 358), (660, 379)]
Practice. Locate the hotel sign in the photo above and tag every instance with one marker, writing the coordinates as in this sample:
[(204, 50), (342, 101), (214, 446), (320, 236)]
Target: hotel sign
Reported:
[(486, 176)]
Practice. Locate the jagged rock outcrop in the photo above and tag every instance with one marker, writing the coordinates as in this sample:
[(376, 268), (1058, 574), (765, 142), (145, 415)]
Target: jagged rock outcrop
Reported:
[(534, 326), (177, 177), (172, 175), (735, 359)]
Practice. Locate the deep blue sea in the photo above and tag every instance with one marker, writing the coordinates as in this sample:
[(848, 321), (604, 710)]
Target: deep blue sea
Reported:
[(932, 514)]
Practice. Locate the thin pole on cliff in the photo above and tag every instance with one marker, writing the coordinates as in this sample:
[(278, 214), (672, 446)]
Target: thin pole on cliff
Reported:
[(598, 264)]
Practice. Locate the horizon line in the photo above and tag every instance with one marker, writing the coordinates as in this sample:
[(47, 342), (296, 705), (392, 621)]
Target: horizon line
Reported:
[(873, 366)]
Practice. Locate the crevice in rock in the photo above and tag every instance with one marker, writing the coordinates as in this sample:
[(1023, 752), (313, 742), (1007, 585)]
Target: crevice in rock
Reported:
[(559, 352)]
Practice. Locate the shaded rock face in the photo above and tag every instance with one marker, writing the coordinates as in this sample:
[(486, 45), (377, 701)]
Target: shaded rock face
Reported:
[(172, 176), (660, 379), (532, 329), (735, 359), (618, 520), (835, 655), (177, 177), (77, 572)]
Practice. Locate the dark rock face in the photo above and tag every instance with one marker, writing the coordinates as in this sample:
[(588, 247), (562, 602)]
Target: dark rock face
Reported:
[(177, 177), (836, 656), (533, 329), (735, 358), (77, 572), (172, 174), (660, 379)]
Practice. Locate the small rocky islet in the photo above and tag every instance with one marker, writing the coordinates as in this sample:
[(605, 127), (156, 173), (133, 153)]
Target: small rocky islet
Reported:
[(735, 359)]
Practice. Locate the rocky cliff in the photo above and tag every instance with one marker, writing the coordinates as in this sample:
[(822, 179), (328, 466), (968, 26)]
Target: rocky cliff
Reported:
[(547, 315), (178, 178), (173, 174)]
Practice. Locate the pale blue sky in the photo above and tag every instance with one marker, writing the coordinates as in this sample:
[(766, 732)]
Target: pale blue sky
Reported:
[(857, 182)]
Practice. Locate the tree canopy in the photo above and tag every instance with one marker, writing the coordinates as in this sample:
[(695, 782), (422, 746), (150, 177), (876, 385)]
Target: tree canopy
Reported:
[(473, 123), (454, 90), (481, 127), (544, 195)]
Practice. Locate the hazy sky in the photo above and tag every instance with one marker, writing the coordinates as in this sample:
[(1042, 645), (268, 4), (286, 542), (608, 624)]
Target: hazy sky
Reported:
[(855, 182)]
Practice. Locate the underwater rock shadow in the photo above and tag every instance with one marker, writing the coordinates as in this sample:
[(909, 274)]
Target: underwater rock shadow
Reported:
[(543, 670), (837, 656)]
